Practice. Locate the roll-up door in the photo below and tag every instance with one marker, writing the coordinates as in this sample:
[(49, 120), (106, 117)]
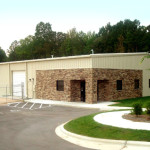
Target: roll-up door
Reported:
[(19, 79)]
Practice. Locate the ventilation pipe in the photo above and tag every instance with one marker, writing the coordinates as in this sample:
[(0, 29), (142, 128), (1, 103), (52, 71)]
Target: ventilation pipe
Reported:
[(92, 51)]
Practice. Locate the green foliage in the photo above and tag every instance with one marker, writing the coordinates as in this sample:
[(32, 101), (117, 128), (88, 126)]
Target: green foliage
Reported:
[(124, 36), (87, 126), (43, 31), (3, 56), (131, 101), (147, 106), (147, 56), (137, 108)]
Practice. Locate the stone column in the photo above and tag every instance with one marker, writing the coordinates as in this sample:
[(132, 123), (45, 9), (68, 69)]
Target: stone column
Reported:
[(91, 91)]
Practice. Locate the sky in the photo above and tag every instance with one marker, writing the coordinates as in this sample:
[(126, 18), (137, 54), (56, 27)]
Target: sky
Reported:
[(18, 18)]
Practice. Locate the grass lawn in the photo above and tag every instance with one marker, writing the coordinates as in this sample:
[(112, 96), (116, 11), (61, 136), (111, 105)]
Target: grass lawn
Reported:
[(129, 102), (88, 127)]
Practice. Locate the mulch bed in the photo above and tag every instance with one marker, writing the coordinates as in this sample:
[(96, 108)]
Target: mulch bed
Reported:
[(139, 118)]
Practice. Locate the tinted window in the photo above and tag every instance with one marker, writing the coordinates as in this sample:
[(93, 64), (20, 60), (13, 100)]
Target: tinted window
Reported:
[(60, 85)]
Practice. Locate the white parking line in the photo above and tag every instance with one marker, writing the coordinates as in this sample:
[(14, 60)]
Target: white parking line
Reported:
[(17, 104), (40, 105), (24, 105), (46, 106), (43, 107), (32, 106)]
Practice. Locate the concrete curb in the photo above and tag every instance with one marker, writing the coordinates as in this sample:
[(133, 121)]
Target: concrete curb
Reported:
[(100, 144)]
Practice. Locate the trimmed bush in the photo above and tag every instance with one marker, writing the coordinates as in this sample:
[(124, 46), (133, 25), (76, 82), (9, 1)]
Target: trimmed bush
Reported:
[(147, 105), (137, 109)]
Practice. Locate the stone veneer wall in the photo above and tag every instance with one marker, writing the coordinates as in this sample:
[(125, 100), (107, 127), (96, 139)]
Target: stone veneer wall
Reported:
[(46, 84), (109, 89), (103, 90)]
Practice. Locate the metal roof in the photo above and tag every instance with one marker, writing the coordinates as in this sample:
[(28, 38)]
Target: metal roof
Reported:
[(77, 57)]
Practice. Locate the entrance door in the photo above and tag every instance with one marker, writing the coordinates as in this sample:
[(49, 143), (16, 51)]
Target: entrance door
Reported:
[(83, 91)]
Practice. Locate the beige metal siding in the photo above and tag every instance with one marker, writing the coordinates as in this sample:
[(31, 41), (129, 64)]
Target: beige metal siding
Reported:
[(31, 66), (146, 77), (4, 75), (125, 62), (18, 67), (120, 62), (50, 65), (4, 78), (116, 61)]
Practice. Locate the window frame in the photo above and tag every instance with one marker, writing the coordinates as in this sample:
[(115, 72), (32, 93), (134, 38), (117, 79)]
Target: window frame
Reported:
[(119, 85), (60, 85)]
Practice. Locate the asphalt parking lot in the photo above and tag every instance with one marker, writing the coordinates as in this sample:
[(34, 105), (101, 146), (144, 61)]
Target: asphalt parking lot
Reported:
[(29, 126)]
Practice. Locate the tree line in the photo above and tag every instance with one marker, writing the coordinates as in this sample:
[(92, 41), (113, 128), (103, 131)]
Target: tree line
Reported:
[(125, 36)]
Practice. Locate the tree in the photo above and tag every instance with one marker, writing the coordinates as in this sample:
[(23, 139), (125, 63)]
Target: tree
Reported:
[(120, 46), (3, 56), (12, 51), (43, 31), (45, 40), (60, 38), (74, 43), (124, 36)]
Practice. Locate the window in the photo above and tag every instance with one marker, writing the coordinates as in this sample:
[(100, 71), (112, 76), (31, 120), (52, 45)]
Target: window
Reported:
[(119, 84), (136, 84), (60, 85), (149, 83)]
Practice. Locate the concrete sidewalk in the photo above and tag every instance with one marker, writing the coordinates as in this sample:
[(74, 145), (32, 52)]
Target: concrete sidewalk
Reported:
[(100, 105), (100, 144), (115, 119)]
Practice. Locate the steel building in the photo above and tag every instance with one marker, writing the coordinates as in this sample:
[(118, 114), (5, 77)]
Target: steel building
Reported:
[(89, 78)]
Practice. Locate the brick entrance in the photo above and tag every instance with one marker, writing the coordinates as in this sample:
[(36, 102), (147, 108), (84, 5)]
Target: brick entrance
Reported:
[(77, 90)]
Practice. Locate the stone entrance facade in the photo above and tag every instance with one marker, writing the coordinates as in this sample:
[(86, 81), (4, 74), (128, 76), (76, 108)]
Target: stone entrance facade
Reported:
[(100, 84)]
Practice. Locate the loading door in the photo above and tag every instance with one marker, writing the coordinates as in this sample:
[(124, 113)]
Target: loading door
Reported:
[(19, 79)]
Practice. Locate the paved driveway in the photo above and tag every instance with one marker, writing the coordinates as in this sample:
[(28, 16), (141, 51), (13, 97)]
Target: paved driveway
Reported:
[(34, 129)]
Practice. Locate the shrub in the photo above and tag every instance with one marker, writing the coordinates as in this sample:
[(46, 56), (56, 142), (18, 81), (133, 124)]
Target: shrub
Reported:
[(137, 108), (147, 106)]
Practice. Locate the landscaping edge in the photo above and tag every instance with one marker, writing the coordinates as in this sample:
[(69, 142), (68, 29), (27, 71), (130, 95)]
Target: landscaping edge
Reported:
[(98, 143)]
